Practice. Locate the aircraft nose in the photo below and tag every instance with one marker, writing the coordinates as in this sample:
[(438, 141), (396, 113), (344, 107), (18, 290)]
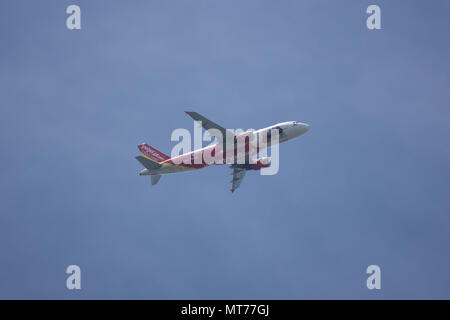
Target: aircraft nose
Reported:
[(302, 128), (305, 127)]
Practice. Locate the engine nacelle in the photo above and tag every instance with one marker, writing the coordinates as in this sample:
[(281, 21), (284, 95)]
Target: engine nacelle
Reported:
[(261, 163)]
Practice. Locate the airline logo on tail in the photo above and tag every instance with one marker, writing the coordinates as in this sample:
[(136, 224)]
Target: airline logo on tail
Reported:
[(152, 153)]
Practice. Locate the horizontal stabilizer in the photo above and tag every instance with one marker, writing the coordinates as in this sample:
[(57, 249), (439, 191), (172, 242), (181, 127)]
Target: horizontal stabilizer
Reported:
[(147, 163), (155, 178)]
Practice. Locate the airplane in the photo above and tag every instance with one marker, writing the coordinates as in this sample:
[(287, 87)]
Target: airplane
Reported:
[(157, 163)]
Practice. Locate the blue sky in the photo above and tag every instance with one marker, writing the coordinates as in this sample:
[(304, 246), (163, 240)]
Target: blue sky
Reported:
[(368, 184)]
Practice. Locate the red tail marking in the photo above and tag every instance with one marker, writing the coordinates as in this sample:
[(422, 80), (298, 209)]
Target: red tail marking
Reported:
[(152, 153)]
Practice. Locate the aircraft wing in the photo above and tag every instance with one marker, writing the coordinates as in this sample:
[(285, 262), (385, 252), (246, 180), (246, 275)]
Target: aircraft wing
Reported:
[(238, 176), (208, 124)]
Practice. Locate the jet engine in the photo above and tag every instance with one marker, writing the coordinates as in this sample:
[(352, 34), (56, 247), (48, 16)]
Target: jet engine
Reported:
[(261, 163)]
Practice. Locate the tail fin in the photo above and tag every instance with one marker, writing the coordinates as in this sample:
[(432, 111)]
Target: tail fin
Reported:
[(151, 153)]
